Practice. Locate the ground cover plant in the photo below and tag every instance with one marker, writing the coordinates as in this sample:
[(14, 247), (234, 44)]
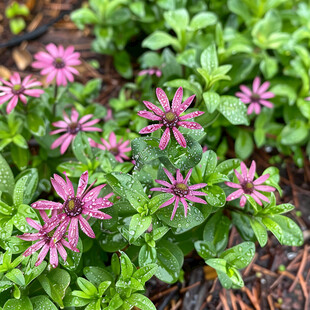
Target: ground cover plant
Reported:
[(95, 200)]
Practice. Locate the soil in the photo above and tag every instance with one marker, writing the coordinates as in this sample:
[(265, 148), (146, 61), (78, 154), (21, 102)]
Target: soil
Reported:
[(266, 285)]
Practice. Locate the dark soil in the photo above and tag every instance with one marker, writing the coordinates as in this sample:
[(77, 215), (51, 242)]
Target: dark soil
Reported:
[(266, 287)]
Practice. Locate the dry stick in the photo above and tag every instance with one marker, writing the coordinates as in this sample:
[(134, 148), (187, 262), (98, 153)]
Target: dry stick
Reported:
[(304, 290), (177, 305), (208, 299), (243, 306), (264, 270), (307, 170), (249, 267), (185, 289), (233, 300), (270, 302), (164, 293), (224, 300), (298, 188), (301, 268), (231, 237), (252, 298)]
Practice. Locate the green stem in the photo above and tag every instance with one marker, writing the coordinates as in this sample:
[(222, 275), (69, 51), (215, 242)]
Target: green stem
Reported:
[(55, 98)]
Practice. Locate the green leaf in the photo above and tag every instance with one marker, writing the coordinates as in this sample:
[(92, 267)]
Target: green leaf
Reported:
[(259, 231), (244, 145), (81, 148), (42, 302), (31, 184), (215, 196), (212, 100), (16, 276), (157, 201), (19, 189), (205, 167), (240, 255), (73, 258), (274, 178), (87, 287), (218, 264), (55, 284), (202, 20), (18, 304), (96, 275), (36, 124), (228, 166), (215, 233), (83, 16), (126, 266), (103, 287), (20, 141), (17, 25), (138, 225), (6, 177), (145, 273), (294, 133), (33, 272), (277, 209), (234, 110), (122, 64), (177, 19), (203, 250), (140, 301), (208, 59), (20, 156), (160, 39), (19, 219), (147, 255), (284, 229)]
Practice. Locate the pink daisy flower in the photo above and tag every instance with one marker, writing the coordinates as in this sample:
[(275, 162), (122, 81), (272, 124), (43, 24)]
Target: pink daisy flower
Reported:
[(16, 88), (180, 191), (151, 71), (256, 97), (46, 242), (84, 202), (118, 149), (170, 118), (248, 186), (57, 63), (70, 127)]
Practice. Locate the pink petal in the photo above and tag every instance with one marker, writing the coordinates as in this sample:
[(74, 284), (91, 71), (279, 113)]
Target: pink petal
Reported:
[(243, 201), (246, 90), (34, 92), (261, 179), (61, 230), (74, 115), (168, 202), (53, 255), (60, 140), (82, 184), (185, 104), (185, 206), (264, 188), (195, 199), (177, 99), (244, 170), (30, 237), (164, 183), (179, 176), (112, 140), (60, 124), (153, 108), (251, 108), (73, 233), (164, 139), (149, 115), (85, 118), (267, 95), (169, 175), (61, 250), (256, 84), (66, 144), (161, 189), (196, 193), (235, 195), (197, 186), (266, 103), (263, 88), (256, 199), (42, 254), (163, 99), (33, 223), (179, 137), (12, 104), (239, 176), (50, 77), (46, 205), (97, 214), (55, 132), (91, 123), (52, 49), (233, 185), (188, 176), (257, 108), (5, 98), (260, 196), (252, 170), (86, 227), (190, 125), (150, 128), (35, 247), (177, 199), (191, 115), (93, 194)]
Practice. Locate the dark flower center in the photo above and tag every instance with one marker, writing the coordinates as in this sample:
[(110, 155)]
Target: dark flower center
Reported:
[(17, 89), (114, 151), (255, 97), (170, 119), (73, 207), (248, 187), (74, 128), (59, 63), (180, 189)]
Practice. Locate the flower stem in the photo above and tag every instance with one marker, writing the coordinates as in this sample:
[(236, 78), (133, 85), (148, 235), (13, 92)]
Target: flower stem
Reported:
[(55, 98)]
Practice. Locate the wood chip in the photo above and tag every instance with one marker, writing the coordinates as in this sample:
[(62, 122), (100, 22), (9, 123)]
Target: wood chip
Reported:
[(5, 72), (22, 58)]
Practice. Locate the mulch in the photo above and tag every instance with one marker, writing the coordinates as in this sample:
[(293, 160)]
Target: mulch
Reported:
[(277, 278)]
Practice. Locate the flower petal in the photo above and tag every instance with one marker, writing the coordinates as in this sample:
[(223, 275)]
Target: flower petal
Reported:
[(163, 99), (164, 139), (86, 227), (177, 99), (150, 128), (179, 137)]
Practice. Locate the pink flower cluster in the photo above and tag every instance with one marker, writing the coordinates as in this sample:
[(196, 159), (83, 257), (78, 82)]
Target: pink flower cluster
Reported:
[(248, 186), (118, 149), (170, 118), (16, 88), (180, 191), (70, 128), (66, 218), (256, 97)]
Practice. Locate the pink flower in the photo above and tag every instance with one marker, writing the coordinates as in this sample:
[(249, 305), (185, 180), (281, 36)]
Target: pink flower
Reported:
[(248, 186), (180, 191), (118, 149), (151, 71), (46, 242), (57, 63), (170, 118), (17, 89), (84, 202), (70, 128), (256, 97)]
